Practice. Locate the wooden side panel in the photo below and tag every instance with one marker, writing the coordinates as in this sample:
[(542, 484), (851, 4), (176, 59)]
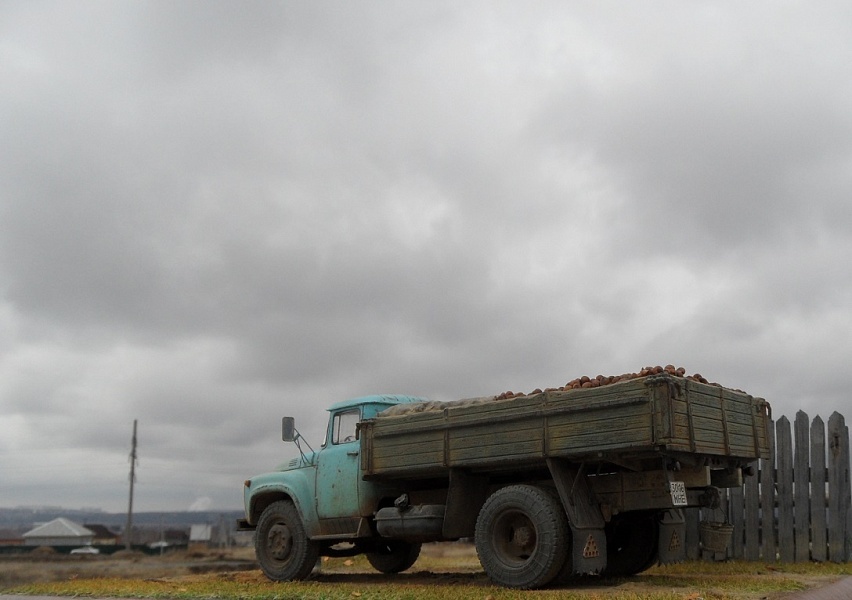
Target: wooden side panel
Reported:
[(642, 415), (405, 424), (572, 434), (496, 443), (719, 421), (495, 410), (401, 453), (498, 432)]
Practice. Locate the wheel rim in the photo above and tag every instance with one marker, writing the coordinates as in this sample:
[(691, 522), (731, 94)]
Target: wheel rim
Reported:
[(279, 541), (514, 538)]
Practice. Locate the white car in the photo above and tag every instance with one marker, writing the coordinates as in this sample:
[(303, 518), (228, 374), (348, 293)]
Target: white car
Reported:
[(86, 550)]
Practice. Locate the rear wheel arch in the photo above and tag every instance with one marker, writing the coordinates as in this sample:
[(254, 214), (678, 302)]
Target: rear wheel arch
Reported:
[(632, 543)]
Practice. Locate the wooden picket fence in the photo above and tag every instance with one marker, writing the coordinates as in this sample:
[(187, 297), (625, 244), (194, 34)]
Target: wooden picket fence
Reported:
[(797, 507)]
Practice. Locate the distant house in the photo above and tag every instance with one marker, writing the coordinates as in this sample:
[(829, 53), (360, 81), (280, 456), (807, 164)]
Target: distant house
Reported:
[(176, 537), (200, 534), (10, 537), (59, 532), (102, 536), (167, 538)]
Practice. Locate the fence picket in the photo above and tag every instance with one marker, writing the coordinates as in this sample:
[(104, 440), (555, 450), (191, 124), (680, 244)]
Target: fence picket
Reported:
[(847, 496), (752, 518), (837, 477), (693, 517), (735, 518), (801, 488), (784, 476), (766, 475), (819, 550)]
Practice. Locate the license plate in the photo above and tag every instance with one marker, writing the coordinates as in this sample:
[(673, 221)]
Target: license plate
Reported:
[(678, 490)]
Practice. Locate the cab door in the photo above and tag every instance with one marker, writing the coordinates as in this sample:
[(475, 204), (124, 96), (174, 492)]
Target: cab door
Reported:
[(338, 474)]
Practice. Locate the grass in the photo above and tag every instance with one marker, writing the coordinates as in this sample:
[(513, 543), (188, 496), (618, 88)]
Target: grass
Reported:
[(458, 577)]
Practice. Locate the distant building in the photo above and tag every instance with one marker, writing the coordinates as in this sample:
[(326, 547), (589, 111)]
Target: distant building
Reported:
[(200, 534), (10, 537), (164, 538), (102, 536), (176, 537), (59, 532)]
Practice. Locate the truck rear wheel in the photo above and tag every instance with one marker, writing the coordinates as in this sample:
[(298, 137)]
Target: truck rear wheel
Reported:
[(281, 545), (393, 556), (522, 537), (631, 543)]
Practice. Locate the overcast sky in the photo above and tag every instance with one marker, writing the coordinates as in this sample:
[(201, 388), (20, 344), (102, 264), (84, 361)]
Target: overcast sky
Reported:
[(213, 214)]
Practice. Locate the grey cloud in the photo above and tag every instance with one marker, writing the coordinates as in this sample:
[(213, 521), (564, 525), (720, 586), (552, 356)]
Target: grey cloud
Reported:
[(213, 214)]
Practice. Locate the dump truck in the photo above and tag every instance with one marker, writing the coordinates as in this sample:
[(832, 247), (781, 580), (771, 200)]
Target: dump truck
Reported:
[(548, 485)]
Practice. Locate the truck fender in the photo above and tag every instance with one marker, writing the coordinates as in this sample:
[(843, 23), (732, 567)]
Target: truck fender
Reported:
[(588, 536), (289, 485), (466, 494)]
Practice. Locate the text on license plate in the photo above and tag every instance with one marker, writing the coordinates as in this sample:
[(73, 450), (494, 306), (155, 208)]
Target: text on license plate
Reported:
[(678, 490)]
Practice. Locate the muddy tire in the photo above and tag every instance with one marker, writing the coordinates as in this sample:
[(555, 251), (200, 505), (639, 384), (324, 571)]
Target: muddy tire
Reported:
[(522, 537), (393, 556), (631, 544), (281, 545)]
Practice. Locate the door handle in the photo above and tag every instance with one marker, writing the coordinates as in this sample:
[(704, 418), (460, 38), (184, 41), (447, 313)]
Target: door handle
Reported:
[(352, 453)]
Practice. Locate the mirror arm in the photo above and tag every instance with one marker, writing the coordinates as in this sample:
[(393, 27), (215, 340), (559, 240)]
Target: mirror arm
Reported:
[(296, 440)]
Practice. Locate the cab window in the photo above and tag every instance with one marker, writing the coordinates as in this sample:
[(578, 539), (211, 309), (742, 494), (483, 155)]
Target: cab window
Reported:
[(344, 427)]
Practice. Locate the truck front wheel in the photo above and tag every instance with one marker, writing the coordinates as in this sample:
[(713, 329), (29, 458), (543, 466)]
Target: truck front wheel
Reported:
[(393, 556), (522, 537), (282, 547)]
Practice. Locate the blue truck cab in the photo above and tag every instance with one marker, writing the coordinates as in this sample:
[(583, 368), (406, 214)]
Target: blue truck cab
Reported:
[(318, 502)]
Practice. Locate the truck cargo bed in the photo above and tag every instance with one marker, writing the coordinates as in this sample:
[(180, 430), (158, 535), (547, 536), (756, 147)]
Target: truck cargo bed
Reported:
[(621, 423)]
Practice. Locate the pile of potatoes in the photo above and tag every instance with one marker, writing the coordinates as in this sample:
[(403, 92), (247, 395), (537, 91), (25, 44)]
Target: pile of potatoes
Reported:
[(592, 382)]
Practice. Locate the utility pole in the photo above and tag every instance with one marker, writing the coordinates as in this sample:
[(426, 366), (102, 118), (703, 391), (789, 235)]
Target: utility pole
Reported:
[(128, 529)]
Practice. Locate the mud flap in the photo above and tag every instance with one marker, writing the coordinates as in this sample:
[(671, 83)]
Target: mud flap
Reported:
[(588, 550), (672, 540)]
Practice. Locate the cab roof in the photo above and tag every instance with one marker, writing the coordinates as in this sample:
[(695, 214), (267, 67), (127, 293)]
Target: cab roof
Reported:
[(388, 399)]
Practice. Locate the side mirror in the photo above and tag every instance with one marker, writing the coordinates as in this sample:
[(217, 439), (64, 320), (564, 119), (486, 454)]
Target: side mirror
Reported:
[(288, 429)]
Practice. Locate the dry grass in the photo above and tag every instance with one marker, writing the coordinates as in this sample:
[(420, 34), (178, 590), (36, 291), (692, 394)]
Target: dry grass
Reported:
[(444, 572), (39, 568)]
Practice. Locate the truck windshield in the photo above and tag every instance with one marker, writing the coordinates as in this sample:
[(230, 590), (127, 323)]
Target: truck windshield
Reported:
[(344, 427)]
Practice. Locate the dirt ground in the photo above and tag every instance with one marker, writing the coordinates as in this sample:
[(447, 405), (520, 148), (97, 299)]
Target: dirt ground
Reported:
[(439, 564), (239, 563), (45, 567)]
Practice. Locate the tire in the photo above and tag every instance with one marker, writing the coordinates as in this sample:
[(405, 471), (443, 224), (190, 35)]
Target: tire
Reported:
[(522, 537), (283, 549), (393, 556), (631, 544)]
